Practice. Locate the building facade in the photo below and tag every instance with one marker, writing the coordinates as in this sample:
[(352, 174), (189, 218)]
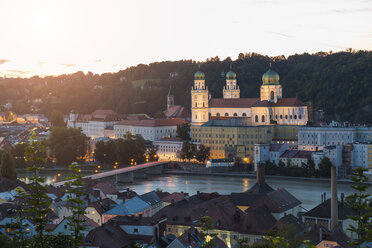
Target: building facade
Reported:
[(149, 129), (271, 107), (94, 125), (316, 138)]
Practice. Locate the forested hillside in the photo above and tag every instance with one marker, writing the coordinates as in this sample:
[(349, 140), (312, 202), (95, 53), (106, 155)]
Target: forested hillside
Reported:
[(339, 83)]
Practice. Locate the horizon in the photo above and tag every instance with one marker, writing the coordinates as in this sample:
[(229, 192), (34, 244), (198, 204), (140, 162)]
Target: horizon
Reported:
[(46, 38)]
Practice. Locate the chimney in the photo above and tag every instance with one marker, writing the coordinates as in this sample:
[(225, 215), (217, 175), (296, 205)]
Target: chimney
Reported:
[(260, 176), (334, 201)]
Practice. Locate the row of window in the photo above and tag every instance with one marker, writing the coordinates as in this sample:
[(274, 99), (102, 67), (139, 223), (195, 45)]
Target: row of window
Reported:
[(235, 114)]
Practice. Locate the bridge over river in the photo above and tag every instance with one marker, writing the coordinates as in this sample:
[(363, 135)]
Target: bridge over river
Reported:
[(128, 174)]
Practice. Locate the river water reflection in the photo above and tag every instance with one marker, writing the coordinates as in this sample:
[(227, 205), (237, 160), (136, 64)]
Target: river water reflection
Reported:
[(306, 191)]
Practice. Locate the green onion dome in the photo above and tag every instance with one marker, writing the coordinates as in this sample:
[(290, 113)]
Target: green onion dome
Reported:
[(199, 75), (270, 77), (231, 75)]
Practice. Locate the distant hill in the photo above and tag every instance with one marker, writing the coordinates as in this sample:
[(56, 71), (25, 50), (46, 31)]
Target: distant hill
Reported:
[(340, 84)]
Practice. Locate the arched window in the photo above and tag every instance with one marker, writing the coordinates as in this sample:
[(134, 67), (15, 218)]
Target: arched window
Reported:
[(276, 117), (196, 116), (263, 118), (272, 95), (271, 117), (226, 114), (290, 117), (299, 117), (295, 116), (203, 117), (256, 118), (244, 114), (203, 105), (281, 117), (218, 114), (235, 114), (286, 116), (196, 105)]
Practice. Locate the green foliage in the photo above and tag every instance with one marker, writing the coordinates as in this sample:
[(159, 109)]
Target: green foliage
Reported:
[(203, 153), (6, 242), (207, 225), (306, 170), (20, 225), (325, 167), (159, 115), (18, 152), (359, 202), (68, 144), (74, 184), (183, 131), (39, 201), (322, 78), (124, 151), (7, 169), (56, 119), (151, 153), (188, 150)]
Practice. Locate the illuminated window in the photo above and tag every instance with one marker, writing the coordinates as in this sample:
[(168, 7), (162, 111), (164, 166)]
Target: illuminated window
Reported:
[(28, 230), (93, 212)]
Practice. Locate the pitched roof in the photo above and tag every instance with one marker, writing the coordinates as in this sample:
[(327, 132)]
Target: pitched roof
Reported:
[(275, 147), (129, 207), (282, 102), (151, 198), (232, 102), (323, 210), (279, 201), (101, 115), (106, 188), (174, 197), (97, 206), (152, 122), (296, 154), (177, 111), (107, 236)]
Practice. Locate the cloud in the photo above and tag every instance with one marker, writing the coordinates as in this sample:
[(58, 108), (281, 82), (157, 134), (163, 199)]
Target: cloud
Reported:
[(350, 11), (281, 34), (68, 65), (19, 71), (98, 60), (3, 61), (42, 62)]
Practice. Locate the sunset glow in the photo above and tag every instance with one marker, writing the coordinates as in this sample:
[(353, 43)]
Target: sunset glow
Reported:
[(55, 37)]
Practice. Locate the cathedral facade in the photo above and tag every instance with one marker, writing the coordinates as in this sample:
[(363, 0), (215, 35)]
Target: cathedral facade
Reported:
[(270, 108)]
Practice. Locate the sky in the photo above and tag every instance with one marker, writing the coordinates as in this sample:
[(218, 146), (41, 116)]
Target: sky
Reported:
[(58, 37)]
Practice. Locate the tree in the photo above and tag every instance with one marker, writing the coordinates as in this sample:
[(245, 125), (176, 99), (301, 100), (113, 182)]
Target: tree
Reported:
[(325, 167), (68, 144), (359, 202), (159, 115), (7, 167), (6, 242), (18, 152), (203, 153), (74, 184), (57, 119), (188, 150), (99, 152), (151, 153), (183, 131), (39, 201), (207, 225)]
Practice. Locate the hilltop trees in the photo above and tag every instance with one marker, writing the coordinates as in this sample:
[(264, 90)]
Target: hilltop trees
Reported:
[(56, 119)]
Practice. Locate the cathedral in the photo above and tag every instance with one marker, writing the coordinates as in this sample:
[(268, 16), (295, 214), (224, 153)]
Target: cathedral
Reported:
[(270, 108)]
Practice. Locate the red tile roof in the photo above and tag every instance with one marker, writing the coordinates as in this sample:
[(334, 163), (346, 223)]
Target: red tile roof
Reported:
[(106, 188), (232, 103), (296, 154), (153, 122)]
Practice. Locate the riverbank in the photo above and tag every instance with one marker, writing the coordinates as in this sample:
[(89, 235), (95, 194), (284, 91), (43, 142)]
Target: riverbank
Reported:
[(253, 175)]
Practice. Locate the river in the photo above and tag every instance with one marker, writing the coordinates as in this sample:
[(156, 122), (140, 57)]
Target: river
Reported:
[(308, 192)]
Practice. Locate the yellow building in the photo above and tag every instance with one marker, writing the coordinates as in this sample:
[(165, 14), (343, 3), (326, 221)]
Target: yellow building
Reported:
[(233, 138)]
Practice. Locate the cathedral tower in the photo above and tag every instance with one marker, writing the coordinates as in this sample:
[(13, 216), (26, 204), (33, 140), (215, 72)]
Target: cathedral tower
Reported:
[(271, 90), (199, 100), (231, 90)]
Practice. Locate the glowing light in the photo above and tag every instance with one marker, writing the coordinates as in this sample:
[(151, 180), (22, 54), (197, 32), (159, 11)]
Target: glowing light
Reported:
[(114, 166), (96, 171), (99, 167), (59, 174)]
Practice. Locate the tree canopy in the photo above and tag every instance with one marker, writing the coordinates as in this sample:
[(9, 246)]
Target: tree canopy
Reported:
[(321, 79)]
